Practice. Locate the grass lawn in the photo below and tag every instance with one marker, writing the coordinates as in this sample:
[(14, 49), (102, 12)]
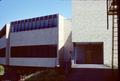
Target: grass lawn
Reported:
[(47, 75)]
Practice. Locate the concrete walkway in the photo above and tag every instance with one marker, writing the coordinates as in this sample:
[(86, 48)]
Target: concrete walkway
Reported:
[(90, 66)]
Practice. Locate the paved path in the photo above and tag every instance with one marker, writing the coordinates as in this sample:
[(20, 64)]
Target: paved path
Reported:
[(95, 66)]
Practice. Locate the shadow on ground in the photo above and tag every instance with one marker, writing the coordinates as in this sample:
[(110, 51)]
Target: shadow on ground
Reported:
[(76, 74), (93, 75)]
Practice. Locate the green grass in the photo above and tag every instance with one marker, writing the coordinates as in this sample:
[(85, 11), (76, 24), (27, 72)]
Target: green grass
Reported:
[(1, 70), (48, 75)]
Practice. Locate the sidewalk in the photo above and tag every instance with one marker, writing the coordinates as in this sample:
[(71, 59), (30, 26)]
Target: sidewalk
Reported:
[(95, 66)]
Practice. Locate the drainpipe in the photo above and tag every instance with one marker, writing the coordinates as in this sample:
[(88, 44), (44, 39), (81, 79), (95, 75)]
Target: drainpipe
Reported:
[(107, 14), (118, 13), (7, 44)]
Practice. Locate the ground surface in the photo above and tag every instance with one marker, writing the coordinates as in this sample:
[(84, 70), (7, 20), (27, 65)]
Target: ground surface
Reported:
[(93, 75), (76, 74)]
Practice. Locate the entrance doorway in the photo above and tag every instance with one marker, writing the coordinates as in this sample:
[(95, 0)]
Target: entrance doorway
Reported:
[(88, 53)]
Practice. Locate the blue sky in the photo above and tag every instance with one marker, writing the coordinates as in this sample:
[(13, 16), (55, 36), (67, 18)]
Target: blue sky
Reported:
[(11, 10)]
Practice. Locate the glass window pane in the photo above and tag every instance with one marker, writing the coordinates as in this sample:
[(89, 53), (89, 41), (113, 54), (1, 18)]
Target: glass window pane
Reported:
[(46, 23), (30, 25), (55, 22), (15, 27), (21, 26), (34, 24), (12, 27), (27, 25), (38, 23), (41, 24), (50, 22)]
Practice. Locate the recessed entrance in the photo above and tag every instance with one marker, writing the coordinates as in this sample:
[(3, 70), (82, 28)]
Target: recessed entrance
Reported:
[(88, 53)]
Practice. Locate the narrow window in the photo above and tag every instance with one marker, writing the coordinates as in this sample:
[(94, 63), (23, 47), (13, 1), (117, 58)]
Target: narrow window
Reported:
[(19, 26), (16, 27), (30, 24), (27, 25), (45, 21), (12, 27), (37, 23), (33, 23), (41, 22), (55, 20)]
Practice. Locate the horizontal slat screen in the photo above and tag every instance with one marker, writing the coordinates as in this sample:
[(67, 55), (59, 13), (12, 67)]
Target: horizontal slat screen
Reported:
[(43, 22), (45, 51)]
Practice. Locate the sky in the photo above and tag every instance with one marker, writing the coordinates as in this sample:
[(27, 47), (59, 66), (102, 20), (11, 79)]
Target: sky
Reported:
[(11, 10)]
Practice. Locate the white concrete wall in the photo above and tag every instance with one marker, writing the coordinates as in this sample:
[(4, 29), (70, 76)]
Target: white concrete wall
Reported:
[(47, 36), (90, 25), (7, 30), (61, 32), (33, 62), (60, 38), (67, 28), (67, 39), (34, 37)]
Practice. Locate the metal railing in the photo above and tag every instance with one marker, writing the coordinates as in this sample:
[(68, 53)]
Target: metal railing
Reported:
[(112, 10)]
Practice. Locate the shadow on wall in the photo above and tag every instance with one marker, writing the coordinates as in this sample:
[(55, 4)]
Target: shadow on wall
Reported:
[(65, 54)]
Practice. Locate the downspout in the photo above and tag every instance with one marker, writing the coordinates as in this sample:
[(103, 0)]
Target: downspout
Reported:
[(7, 44), (118, 14), (107, 15)]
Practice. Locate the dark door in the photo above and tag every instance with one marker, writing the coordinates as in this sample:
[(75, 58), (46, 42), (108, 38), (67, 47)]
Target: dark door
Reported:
[(91, 53), (80, 55)]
